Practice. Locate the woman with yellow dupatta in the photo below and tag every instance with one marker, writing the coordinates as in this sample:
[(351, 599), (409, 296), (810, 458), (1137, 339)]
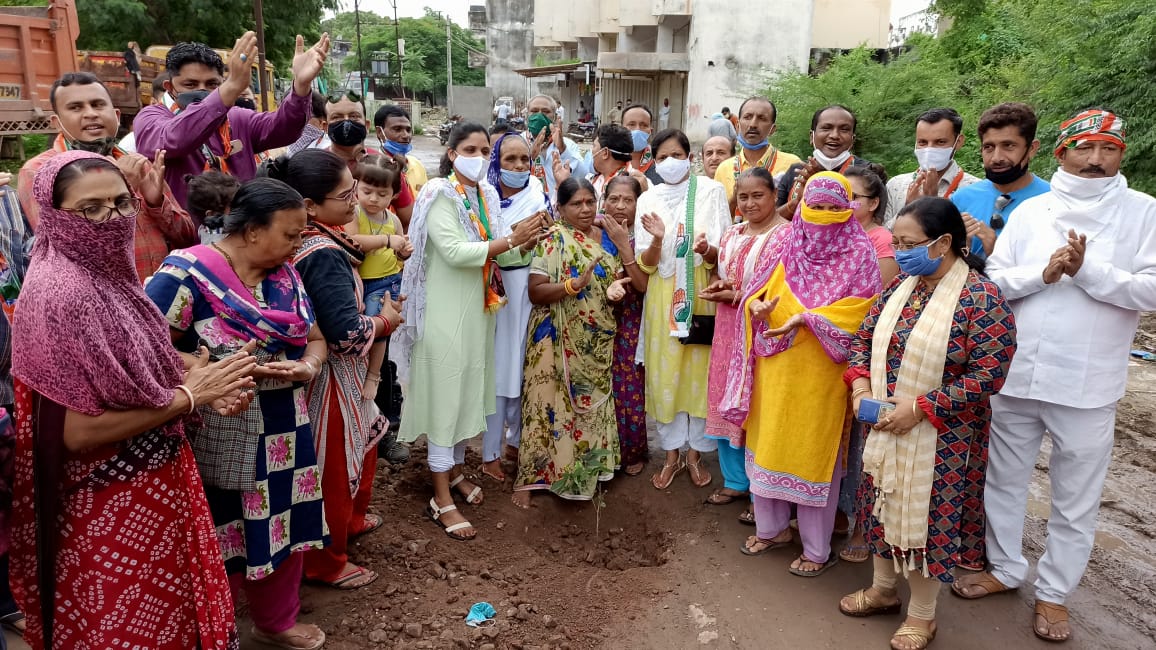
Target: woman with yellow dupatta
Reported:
[(937, 344), (799, 323)]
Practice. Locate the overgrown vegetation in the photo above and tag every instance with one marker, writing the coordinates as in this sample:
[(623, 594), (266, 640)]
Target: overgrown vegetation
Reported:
[(1060, 56)]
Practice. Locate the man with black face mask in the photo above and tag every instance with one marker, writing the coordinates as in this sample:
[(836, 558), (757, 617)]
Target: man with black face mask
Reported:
[(200, 126), (1007, 135), (85, 116)]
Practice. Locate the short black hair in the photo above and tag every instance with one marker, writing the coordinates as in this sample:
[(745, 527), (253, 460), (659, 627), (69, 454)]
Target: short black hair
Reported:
[(73, 79), (500, 128), (667, 134), (819, 113), (317, 105), (209, 196), (254, 205), (726, 109), (458, 134), (619, 179), (1010, 114), (389, 110), (649, 113), (774, 109), (379, 171), (937, 115), (159, 84), (616, 138), (570, 187), (188, 52), (938, 217)]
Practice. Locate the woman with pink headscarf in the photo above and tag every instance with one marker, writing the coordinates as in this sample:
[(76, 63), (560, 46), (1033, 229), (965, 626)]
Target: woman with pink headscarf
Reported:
[(110, 521)]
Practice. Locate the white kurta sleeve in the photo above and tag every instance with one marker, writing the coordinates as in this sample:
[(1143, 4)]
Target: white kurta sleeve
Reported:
[(1133, 288), (1016, 278)]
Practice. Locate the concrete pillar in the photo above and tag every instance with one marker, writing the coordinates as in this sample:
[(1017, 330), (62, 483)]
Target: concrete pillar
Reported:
[(664, 43)]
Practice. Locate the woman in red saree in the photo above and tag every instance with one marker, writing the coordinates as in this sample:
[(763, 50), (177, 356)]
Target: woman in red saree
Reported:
[(112, 541)]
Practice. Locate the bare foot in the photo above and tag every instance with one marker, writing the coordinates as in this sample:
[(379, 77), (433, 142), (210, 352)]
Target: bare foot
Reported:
[(521, 499)]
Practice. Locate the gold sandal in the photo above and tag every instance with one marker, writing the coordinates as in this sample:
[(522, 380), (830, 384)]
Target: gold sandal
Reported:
[(677, 466), (695, 471), (867, 606), (920, 636)]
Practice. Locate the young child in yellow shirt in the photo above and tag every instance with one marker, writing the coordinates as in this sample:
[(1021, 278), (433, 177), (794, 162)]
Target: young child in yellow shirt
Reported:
[(381, 236)]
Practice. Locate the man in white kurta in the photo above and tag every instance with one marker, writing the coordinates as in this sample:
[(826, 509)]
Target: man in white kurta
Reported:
[(1078, 265)]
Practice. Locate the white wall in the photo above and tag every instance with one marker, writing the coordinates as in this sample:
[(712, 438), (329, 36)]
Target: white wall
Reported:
[(729, 64)]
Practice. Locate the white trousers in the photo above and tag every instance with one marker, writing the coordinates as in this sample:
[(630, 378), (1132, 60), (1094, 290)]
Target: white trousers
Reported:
[(506, 418), (685, 430), (1081, 450), (443, 459)]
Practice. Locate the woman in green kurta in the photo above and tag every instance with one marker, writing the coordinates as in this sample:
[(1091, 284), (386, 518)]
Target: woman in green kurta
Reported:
[(444, 349), (569, 428)]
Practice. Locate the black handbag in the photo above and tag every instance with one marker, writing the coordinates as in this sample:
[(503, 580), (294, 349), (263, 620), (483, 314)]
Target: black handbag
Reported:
[(701, 331)]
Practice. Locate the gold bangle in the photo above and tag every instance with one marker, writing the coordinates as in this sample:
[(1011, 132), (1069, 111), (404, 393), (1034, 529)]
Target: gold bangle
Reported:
[(915, 409), (630, 263), (859, 392), (568, 285)]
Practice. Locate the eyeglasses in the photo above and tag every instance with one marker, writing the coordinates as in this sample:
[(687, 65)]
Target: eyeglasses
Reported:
[(335, 97), (856, 197), (899, 246), (347, 195), (102, 213), (1001, 202)]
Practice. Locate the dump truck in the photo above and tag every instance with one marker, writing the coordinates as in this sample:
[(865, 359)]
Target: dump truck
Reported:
[(37, 46)]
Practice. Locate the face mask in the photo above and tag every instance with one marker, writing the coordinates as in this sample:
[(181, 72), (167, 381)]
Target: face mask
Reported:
[(823, 217), (515, 180), (396, 148), (917, 261), (537, 122), (101, 147), (245, 103), (673, 170), (1078, 187), (831, 163), (185, 99), (347, 133), (471, 167), (1007, 176), (755, 147), (641, 140), (937, 158)]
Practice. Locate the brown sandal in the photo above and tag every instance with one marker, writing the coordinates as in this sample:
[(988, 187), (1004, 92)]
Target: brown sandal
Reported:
[(983, 580), (1052, 614), (866, 606)]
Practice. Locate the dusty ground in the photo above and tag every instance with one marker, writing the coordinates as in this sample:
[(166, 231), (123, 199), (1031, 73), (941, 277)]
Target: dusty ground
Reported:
[(663, 571)]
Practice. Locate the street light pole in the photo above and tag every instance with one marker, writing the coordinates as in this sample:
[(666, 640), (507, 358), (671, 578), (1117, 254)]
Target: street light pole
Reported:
[(397, 49), (259, 15), (449, 69), (360, 60)]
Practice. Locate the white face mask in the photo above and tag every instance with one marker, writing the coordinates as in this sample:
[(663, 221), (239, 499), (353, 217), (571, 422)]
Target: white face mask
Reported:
[(673, 170), (937, 158), (470, 167), (825, 161)]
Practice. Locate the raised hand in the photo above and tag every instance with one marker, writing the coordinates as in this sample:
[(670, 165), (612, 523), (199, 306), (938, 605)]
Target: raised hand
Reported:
[(135, 168), (653, 224), (561, 169), (581, 281), (616, 231), (1077, 246), (240, 65), (761, 309), (559, 135), (308, 63)]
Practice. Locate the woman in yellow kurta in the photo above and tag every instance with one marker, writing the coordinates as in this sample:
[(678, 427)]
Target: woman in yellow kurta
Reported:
[(676, 238), (798, 325)]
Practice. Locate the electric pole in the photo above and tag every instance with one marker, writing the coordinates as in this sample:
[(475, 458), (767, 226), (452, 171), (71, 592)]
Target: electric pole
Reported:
[(360, 60), (259, 15), (449, 68), (397, 49)]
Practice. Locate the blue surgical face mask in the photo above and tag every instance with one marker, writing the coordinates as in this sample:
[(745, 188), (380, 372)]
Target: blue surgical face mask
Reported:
[(918, 261), (396, 148), (641, 140), (515, 180)]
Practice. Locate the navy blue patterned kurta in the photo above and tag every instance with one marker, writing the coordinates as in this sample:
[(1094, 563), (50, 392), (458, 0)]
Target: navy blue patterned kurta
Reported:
[(978, 355)]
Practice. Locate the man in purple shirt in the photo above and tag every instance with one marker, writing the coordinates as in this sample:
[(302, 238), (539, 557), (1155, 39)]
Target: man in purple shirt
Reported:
[(198, 124)]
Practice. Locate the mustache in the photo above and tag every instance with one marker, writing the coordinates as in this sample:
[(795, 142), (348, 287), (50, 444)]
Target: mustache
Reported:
[(1093, 169)]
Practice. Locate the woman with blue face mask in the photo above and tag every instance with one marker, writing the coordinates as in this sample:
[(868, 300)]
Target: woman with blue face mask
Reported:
[(522, 197), (937, 344)]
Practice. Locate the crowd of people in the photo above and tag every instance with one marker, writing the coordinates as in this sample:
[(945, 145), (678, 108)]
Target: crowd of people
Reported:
[(872, 358)]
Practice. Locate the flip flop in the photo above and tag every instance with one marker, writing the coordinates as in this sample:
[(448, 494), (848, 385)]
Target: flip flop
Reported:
[(983, 580), (635, 469), (1052, 615), (747, 517), (831, 561), (372, 523), (678, 467), (342, 583), (501, 478), (844, 554), (770, 546), (695, 469), (717, 498), (272, 640)]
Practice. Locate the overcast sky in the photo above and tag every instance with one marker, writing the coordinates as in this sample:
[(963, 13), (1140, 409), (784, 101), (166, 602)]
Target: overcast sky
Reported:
[(458, 10)]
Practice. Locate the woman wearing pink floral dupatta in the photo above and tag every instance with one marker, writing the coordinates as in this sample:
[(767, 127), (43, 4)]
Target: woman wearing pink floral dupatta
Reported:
[(112, 541)]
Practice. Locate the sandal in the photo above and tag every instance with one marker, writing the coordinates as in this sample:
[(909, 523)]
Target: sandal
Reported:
[(343, 582), (747, 517), (678, 466), (635, 469), (473, 498), (832, 560), (435, 513), (720, 498), (920, 636), (14, 622), (372, 523), (984, 580), (499, 477), (1052, 614), (851, 553), (696, 472), (866, 606), (286, 639), (768, 545)]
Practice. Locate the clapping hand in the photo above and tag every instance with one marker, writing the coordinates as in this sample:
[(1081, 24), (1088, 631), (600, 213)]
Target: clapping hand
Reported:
[(579, 283), (722, 291), (1077, 246), (147, 179), (617, 290), (792, 323), (701, 245), (977, 228), (616, 231), (401, 246), (224, 384), (761, 309), (308, 64), (653, 224)]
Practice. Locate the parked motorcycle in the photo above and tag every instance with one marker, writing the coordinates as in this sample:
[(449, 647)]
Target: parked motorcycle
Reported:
[(517, 124), (446, 127), (582, 131)]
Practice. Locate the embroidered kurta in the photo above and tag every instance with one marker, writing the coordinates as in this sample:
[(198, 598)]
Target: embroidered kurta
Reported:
[(983, 340)]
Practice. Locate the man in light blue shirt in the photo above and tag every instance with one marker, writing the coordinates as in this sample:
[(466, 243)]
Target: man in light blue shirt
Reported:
[(1007, 135), (545, 133)]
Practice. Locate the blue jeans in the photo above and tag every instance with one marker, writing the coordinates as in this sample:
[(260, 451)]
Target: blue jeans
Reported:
[(376, 289)]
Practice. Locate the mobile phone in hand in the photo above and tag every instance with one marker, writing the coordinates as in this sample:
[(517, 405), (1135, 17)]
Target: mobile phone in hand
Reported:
[(871, 411)]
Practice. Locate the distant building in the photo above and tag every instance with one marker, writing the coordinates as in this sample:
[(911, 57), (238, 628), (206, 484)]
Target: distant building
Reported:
[(920, 22), (700, 54), (507, 27)]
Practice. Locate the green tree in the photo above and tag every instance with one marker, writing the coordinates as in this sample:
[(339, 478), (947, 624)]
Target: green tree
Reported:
[(110, 24), (1059, 56)]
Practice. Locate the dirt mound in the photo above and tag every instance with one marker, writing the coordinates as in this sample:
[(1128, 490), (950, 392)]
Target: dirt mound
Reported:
[(558, 575)]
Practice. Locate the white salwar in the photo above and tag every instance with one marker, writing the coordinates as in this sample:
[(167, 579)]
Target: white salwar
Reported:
[(1070, 368)]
